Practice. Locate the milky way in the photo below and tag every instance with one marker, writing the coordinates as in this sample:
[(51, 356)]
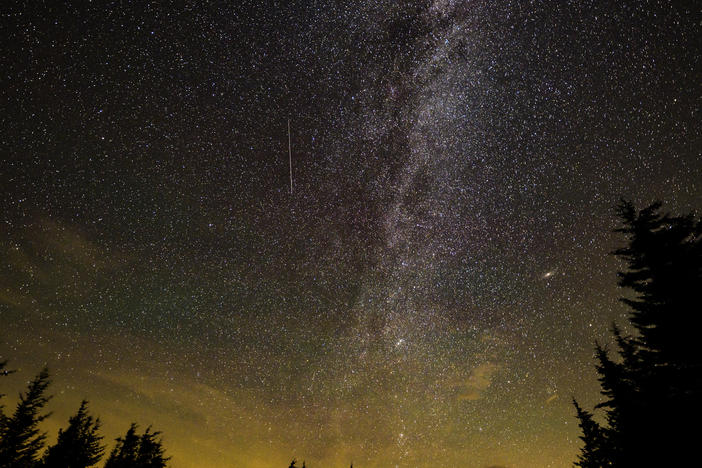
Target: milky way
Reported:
[(430, 293)]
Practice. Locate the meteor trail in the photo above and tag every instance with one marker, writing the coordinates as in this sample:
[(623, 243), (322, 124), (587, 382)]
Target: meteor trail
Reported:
[(290, 157)]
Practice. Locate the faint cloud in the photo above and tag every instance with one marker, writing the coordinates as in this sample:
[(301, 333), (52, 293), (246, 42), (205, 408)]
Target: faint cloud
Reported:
[(12, 298), (69, 245), (552, 398), (478, 381), (49, 261)]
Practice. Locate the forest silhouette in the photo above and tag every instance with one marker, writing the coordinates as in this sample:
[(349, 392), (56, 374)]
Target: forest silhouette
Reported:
[(77, 446), (651, 386)]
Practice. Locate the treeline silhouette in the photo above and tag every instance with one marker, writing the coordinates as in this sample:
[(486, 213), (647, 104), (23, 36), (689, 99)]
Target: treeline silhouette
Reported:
[(77, 446), (652, 389), (293, 464)]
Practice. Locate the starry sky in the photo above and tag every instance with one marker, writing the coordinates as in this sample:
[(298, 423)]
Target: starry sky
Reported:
[(430, 292)]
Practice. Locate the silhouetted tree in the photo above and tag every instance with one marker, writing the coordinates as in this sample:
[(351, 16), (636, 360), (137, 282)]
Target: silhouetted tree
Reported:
[(20, 438), (293, 463), (125, 452), (151, 453), (593, 453), (655, 383), (79, 445), (134, 451)]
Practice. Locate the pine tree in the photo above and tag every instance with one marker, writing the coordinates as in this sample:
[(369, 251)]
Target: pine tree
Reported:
[(151, 453), (125, 452), (663, 362), (20, 438), (664, 262), (134, 451), (655, 384), (593, 453), (79, 445)]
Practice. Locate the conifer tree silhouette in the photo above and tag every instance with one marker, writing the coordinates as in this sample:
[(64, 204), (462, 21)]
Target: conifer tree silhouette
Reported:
[(592, 455), (79, 445), (125, 452), (20, 437), (151, 453), (134, 451), (655, 382)]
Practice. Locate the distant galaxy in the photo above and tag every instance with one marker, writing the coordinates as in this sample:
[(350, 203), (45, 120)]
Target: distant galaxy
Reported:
[(429, 291)]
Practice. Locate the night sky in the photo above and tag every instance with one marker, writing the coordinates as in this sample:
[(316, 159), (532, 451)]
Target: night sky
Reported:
[(431, 291)]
